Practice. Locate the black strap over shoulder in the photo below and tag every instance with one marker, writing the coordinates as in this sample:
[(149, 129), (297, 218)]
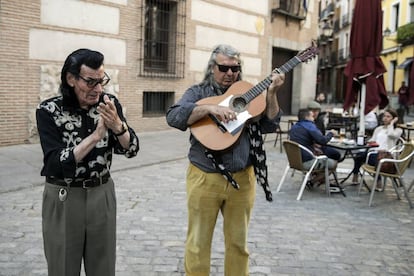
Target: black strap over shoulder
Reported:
[(257, 157)]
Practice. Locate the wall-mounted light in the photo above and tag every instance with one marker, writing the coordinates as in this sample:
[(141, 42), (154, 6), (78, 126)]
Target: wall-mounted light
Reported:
[(327, 30), (387, 32), (387, 35)]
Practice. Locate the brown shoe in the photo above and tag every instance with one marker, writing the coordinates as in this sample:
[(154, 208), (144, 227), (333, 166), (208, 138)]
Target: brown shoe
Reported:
[(379, 187), (355, 180), (318, 177)]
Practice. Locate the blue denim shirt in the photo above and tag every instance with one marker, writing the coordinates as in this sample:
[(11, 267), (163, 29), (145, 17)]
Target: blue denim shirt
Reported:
[(306, 133)]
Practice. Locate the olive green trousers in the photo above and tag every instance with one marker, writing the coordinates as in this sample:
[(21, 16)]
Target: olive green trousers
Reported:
[(207, 195)]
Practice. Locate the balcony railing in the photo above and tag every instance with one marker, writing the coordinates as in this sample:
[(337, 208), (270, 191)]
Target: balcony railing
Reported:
[(345, 20), (290, 8), (343, 55), (328, 61), (327, 12)]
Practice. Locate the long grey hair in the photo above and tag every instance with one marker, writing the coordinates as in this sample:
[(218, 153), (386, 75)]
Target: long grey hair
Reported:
[(223, 49)]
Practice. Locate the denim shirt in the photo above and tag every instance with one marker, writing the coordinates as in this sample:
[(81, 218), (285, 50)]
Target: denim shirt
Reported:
[(234, 158), (306, 133)]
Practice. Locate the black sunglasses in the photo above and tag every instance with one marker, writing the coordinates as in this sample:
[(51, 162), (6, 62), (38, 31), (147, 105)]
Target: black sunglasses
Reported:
[(225, 68), (91, 83)]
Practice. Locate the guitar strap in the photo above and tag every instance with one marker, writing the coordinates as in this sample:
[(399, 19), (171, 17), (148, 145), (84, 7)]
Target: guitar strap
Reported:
[(218, 164), (257, 156)]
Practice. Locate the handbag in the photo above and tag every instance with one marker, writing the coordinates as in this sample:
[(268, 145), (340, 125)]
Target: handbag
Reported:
[(386, 167)]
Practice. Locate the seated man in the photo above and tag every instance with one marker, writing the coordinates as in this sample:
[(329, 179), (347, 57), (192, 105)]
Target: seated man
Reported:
[(319, 116), (306, 133), (319, 120)]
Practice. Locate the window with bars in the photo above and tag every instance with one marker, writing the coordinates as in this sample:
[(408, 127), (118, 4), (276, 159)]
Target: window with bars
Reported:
[(156, 104), (163, 38)]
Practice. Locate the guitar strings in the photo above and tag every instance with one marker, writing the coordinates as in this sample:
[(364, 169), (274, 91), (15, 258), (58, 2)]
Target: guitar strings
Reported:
[(257, 89)]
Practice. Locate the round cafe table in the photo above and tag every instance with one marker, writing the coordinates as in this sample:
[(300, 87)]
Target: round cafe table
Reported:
[(350, 151)]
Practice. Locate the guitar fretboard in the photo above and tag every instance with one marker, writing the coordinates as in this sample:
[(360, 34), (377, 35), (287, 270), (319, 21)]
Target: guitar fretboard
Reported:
[(261, 86)]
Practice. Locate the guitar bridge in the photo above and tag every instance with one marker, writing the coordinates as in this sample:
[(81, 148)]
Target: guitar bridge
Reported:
[(218, 123)]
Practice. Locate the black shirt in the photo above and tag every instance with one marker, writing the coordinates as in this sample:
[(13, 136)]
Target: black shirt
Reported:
[(61, 127)]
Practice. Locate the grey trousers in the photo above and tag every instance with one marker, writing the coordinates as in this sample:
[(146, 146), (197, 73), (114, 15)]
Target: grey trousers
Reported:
[(83, 226)]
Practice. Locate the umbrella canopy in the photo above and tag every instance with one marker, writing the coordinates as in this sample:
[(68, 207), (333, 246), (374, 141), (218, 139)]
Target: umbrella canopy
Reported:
[(365, 67), (411, 85)]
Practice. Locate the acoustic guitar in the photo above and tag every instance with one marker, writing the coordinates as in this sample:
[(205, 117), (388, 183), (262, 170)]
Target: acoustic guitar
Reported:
[(246, 100)]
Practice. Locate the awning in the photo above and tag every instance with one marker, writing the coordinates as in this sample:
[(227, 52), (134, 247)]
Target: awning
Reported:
[(407, 62)]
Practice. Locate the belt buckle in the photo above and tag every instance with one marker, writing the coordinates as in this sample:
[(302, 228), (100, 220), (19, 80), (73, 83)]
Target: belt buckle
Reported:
[(85, 183)]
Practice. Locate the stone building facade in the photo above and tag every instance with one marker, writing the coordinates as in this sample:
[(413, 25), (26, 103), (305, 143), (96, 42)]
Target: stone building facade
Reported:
[(154, 50)]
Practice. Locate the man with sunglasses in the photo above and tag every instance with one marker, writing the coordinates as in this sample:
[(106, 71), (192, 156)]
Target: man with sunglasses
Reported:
[(210, 174), (79, 131)]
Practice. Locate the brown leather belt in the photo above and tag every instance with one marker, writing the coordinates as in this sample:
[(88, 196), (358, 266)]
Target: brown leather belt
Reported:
[(80, 183)]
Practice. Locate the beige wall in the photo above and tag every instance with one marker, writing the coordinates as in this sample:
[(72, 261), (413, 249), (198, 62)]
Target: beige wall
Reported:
[(36, 37)]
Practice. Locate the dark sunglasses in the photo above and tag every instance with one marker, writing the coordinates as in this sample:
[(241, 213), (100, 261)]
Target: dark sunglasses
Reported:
[(225, 68), (91, 83)]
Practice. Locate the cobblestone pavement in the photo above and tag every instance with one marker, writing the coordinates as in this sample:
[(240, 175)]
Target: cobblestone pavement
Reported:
[(318, 235)]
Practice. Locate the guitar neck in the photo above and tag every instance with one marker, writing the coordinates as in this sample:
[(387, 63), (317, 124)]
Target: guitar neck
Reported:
[(261, 86)]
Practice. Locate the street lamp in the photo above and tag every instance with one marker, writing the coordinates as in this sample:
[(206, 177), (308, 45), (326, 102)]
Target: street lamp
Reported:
[(327, 30), (387, 32)]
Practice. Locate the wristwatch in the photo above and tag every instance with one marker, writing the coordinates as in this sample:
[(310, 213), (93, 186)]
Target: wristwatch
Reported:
[(124, 129)]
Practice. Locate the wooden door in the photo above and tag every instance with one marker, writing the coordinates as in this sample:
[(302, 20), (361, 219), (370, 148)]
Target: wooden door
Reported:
[(279, 57)]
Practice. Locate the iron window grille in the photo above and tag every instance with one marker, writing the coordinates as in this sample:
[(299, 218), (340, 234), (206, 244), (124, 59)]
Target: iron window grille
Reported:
[(156, 103), (163, 38)]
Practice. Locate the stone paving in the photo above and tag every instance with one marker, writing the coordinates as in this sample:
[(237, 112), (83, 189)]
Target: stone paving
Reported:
[(318, 235)]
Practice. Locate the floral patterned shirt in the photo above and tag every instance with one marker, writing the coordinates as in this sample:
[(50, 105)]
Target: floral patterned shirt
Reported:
[(62, 127)]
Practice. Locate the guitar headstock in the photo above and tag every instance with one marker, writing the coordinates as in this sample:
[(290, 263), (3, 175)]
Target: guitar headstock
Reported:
[(309, 53)]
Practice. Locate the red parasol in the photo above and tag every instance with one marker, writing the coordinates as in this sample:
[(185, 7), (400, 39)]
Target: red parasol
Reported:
[(365, 69), (411, 85)]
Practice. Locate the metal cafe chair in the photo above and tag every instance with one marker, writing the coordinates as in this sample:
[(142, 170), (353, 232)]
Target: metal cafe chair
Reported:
[(294, 155), (279, 136), (401, 162)]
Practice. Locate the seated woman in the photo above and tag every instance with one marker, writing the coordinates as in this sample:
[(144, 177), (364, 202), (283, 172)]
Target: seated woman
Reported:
[(386, 136), (306, 133)]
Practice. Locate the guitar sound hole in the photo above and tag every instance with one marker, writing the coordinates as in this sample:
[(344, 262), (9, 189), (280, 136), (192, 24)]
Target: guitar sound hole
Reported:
[(239, 104)]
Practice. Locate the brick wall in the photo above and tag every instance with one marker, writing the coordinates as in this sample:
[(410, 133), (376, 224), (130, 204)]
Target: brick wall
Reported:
[(20, 76)]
